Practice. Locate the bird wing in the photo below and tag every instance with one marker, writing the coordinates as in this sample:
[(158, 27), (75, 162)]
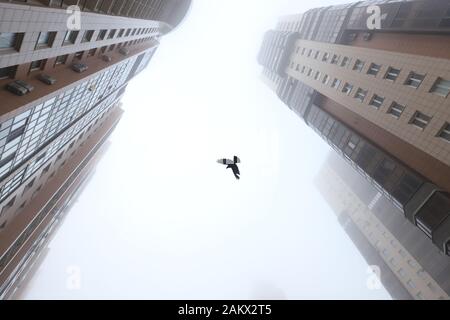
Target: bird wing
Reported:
[(235, 169), (225, 161)]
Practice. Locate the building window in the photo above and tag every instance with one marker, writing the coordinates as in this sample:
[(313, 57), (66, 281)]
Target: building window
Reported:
[(303, 69), (128, 33), (37, 65), (103, 49), (297, 67), (87, 37), (61, 59), (112, 33), (71, 37), (316, 55), (351, 145), (29, 185), (360, 94), (335, 84), (309, 53), (5, 164), (102, 35), (374, 69), (392, 74), (92, 52), (420, 120), (325, 57), (441, 87), (9, 40), (325, 79), (396, 109), (376, 101), (8, 72), (345, 62), (45, 40), (121, 32), (317, 75), (78, 55), (414, 80), (347, 88), (10, 203), (310, 72), (444, 133), (335, 59), (359, 65)]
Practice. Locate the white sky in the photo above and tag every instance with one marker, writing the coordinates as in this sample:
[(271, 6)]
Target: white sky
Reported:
[(161, 220)]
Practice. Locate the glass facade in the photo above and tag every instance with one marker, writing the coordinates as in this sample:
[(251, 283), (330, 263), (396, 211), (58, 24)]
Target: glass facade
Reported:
[(390, 177), (276, 49), (51, 124), (401, 14), (421, 202)]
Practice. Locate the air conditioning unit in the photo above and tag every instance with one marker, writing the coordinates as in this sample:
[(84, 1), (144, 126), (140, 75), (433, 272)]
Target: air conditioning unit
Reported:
[(124, 51), (367, 36), (79, 67), (19, 87), (45, 78), (106, 58)]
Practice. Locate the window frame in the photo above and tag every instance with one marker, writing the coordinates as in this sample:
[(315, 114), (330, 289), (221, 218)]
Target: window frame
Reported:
[(446, 131), (388, 73), (102, 34), (345, 87), (394, 106), (371, 67), (15, 44), (50, 40), (42, 63), (436, 84), (409, 80), (10, 72), (374, 99), (87, 36), (419, 118), (355, 68), (71, 37), (58, 59), (358, 92)]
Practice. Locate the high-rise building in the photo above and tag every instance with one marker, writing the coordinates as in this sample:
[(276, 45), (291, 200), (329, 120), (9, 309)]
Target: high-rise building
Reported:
[(409, 265), (372, 78), (60, 89)]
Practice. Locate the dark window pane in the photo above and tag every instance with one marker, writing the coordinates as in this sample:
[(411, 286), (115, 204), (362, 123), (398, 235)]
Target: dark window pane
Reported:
[(406, 188), (435, 210)]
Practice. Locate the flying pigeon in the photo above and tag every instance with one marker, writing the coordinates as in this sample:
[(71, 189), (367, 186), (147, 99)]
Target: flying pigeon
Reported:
[(232, 164)]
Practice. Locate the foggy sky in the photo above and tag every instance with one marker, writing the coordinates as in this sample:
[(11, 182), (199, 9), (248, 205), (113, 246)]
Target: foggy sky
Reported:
[(160, 219)]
